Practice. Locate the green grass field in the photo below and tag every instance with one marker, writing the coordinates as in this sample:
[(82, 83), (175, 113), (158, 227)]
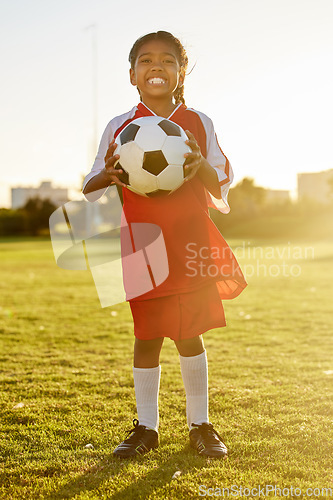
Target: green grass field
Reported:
[(66, 379)]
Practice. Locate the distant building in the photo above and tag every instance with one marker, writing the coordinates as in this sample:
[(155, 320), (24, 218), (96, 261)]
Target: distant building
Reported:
[(20, 195), (277, 195), (316, 186)]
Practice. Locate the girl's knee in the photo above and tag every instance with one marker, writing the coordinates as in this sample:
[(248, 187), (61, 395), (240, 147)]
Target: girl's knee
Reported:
[(148, 345), (147, 352), (190, 347)]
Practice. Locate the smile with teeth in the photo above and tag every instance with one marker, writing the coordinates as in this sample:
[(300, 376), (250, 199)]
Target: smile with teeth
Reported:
[(156, 81)]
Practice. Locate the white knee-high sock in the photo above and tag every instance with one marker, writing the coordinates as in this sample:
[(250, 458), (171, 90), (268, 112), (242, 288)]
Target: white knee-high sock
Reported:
[(194, 371), (147, 384)]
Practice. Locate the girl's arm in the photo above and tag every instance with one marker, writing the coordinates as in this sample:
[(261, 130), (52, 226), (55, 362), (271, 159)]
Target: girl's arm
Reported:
[(209, 178), (197, 164), (99, 181)]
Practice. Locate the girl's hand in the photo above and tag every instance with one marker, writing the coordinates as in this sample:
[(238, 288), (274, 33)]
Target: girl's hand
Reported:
[(194, 159), (111, 173)]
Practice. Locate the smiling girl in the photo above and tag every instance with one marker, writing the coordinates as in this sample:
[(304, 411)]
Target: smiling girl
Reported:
[(186, 304)]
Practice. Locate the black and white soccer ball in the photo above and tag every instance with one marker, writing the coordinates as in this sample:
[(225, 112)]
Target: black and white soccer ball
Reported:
[(151, 151)]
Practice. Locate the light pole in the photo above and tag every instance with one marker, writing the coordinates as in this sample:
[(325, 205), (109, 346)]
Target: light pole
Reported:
[(92, 209)]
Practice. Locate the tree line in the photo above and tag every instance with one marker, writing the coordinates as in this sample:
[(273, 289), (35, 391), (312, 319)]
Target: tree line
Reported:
[(252, 215), (30, 220)]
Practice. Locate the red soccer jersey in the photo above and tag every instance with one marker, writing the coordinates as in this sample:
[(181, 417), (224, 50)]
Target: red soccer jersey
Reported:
[(196, 251)]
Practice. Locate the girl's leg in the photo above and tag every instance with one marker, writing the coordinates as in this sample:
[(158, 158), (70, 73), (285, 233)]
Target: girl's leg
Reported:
[(147, 352), (190, 347), (194, 369), (146, 372)]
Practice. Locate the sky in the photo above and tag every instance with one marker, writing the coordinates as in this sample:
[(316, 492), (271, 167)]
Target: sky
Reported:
[(262, 71)]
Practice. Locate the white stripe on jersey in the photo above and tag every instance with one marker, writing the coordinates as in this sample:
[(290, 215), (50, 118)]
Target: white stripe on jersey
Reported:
[(218, 161)]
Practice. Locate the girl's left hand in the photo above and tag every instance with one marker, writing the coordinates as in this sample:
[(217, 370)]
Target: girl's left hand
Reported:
[(194, 159)]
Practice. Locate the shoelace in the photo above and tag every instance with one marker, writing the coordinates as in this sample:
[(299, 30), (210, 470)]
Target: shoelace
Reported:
[(208, 430), (137, 430)]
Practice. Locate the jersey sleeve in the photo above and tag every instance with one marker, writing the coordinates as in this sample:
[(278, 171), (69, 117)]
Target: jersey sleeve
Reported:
[(217, 159), (98, 164)]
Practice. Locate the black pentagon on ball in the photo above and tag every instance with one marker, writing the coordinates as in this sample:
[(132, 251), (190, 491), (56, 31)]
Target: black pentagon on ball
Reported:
[(170, 128), (129, 133), (158, 192), (124, 175), (154, 162)]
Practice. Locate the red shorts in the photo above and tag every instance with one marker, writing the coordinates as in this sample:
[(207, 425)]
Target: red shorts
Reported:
[(180, 316)]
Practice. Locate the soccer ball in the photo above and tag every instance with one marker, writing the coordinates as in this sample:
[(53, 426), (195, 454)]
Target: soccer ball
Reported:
[(151, 151)]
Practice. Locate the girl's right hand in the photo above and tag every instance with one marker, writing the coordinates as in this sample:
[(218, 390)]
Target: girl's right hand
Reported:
[(111, 173)]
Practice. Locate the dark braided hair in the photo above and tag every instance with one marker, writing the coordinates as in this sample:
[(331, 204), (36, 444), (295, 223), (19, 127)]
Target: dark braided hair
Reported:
[(164, 36)]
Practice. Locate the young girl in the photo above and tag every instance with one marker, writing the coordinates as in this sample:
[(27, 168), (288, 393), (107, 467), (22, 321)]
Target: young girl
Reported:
[(202, 268)]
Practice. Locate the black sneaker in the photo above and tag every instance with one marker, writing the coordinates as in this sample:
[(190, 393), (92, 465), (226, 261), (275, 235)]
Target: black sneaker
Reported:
[(207, 441), (140, 441)]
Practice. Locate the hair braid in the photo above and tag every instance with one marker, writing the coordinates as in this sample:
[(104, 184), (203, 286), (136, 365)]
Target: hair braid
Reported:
[(179, 95), (165, 36)]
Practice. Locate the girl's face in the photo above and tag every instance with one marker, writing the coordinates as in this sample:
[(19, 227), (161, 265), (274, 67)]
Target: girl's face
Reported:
[(156, 72)]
